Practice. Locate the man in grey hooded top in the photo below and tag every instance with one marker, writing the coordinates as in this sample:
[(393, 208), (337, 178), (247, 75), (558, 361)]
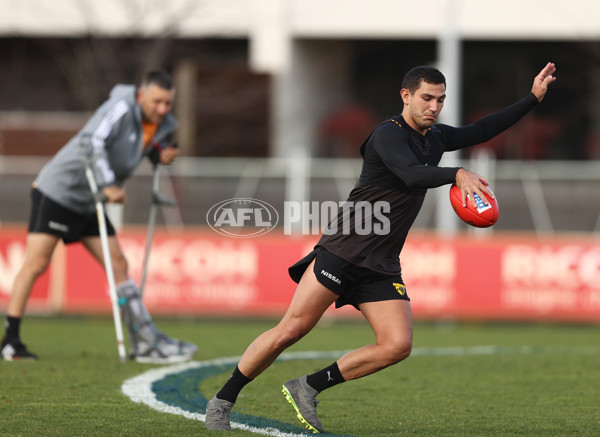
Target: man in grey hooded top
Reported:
[(131, 124)]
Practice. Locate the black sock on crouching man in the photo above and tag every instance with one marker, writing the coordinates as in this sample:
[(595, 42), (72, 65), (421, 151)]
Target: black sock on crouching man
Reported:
[(12, 325), (325, 378), (233, 386)]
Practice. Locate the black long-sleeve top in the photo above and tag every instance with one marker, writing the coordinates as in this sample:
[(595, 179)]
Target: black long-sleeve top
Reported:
[(399, 165)]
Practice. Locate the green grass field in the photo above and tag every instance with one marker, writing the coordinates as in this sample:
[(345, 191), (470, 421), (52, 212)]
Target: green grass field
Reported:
[(540, 380)]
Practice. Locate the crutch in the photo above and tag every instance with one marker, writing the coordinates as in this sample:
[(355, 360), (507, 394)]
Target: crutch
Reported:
[(99, 200), (158, 200)]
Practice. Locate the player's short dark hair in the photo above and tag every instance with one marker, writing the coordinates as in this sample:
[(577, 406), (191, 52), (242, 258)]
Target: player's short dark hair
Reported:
[(160, 78), (414, 76)]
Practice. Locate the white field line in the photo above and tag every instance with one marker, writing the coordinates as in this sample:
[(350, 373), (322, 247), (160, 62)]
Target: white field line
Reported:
[(139, 388)]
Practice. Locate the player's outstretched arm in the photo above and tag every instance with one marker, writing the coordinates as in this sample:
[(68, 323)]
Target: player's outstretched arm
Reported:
[(543, 80)]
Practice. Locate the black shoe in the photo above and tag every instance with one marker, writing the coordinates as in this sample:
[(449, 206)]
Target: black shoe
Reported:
[(14, 350)]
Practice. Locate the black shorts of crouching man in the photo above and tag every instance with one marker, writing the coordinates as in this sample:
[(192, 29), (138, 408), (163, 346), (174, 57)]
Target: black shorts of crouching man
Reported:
[(49, 217)]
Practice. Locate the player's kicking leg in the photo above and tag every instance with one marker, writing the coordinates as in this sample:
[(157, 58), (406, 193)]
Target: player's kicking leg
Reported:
[(310, 301), (392, 324)]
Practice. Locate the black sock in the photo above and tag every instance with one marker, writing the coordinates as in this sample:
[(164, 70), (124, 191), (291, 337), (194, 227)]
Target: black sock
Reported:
[(12, 327), (326, 378), (233, 386)]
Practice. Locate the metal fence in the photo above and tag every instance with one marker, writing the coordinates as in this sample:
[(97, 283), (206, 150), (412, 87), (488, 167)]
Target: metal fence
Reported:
[(540, 196)]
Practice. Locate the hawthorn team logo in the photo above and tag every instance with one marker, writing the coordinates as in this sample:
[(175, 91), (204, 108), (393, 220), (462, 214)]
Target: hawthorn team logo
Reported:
[(400, 288)]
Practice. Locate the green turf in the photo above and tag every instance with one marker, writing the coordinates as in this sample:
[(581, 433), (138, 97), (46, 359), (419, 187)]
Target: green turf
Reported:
[(552, 390)]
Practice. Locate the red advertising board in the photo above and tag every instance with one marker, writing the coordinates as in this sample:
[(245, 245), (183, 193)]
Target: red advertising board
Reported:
[(504, 278), (199, 272)]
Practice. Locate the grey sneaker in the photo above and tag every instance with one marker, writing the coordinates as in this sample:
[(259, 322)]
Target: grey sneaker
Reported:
[(217, 415), (155, 355), (164, 350), (179, 346), (302, 397)]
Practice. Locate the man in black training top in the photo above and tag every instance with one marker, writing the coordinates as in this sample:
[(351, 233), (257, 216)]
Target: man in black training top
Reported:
[(349, 266)]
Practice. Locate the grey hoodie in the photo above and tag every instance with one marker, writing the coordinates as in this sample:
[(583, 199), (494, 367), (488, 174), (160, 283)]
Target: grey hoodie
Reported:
[(110, 143)]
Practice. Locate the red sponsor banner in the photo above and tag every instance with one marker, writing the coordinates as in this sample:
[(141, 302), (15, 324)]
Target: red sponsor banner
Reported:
[(199, 272), (506, 278)]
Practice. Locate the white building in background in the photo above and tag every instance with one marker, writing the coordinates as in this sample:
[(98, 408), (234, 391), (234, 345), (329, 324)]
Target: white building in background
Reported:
[(306, 77)]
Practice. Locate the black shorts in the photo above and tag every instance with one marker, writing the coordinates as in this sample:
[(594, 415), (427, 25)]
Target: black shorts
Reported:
[(354, 284), (48, 217)]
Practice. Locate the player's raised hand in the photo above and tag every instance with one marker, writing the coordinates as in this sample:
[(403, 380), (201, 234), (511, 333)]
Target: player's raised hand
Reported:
[(542, 80)]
